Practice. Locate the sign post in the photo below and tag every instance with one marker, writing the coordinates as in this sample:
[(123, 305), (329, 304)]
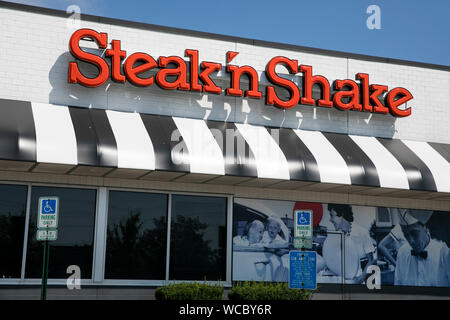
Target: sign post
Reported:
[(47, 223), (302, 264), (44, 271)]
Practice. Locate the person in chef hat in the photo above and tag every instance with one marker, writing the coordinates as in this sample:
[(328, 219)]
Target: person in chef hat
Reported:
[(423, 260)]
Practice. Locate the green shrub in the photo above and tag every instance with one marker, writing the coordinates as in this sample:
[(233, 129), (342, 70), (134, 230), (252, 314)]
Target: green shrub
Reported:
[(267, 291), (190, 291)]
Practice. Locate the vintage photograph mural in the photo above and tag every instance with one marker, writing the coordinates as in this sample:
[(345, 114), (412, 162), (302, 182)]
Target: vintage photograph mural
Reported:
[(410, 247)]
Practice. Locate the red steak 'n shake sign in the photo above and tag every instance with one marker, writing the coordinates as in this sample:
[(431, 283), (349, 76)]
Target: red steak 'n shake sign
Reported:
[(347, 93)]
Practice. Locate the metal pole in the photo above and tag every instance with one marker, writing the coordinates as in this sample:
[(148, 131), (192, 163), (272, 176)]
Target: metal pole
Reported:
[(45, 271)]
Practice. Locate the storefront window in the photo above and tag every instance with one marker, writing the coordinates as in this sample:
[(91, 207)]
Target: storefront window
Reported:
[(13, 200), (136, 236), (198, 238), (74, 245)]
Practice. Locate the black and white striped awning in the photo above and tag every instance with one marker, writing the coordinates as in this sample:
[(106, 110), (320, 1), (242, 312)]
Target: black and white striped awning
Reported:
[(44, 133)]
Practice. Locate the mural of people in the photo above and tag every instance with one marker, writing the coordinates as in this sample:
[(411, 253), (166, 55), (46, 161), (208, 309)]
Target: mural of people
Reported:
[(393, 239), (271, 237), (252, 239), (423, 260)]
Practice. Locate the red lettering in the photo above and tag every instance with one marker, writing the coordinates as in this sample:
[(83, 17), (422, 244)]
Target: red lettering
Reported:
[(393, 104), (132, 72), (180, 72), (116, 55), (349, 95), (308, 81), (365, 91), (353, 94), (236, 74), (271, 96), (377, 90), (193, 55), (75, 76), (231, 55), (210, 86)]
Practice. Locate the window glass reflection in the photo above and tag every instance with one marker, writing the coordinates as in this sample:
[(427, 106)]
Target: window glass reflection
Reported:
[(198, 238), (13, 203), (136, 236), (74, 245)]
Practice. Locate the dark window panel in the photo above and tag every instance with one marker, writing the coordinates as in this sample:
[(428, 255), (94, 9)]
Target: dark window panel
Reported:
[(136, 236), (76, 226), (198, 238), (13, 203)]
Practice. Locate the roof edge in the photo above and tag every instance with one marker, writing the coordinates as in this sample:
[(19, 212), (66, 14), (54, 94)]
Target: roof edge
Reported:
[(217, 36)]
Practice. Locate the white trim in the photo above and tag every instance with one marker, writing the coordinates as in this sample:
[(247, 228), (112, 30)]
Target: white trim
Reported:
[(101, 225), (26, 230), (229, 242), (55, 135)]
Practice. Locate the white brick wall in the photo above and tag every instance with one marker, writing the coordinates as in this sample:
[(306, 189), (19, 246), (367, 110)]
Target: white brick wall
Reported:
[(34, 63)]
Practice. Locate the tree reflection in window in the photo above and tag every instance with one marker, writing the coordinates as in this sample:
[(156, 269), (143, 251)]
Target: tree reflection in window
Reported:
[(198, 238), (136, 236), (12, 227), (134, 252)]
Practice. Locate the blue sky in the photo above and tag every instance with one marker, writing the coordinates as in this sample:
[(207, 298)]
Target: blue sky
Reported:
[(412, 30)]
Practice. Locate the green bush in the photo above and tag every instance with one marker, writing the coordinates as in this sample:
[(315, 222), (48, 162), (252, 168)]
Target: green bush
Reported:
[(267, 291), (190, 291)]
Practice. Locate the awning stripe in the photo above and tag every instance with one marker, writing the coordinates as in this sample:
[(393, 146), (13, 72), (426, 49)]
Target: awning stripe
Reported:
[(47, 133), (107, 146), (17, 132), (419, 176), (390, 171), (96, 145), (239, 158), (87, 141), (205, 155), (302, 164), (135, 149), (270, 160), (438, 166), (332, 167), (361, 168), (168, 143), (55, 135), (442, 149)]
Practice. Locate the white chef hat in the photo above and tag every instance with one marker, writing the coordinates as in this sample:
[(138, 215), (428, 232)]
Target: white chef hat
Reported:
[(411, 216)]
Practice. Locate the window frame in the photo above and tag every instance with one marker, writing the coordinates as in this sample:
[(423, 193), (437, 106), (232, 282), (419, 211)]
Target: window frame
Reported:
[(170, 193), (51, 281), (100, 236)]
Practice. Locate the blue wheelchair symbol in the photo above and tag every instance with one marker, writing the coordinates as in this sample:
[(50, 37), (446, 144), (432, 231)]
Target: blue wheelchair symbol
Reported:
[(303, 218), (48, 206)]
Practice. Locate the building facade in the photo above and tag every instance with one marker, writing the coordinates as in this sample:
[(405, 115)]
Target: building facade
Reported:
[(183, 156)]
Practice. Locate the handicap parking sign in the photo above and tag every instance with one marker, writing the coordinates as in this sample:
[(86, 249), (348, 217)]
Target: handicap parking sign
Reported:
[(303, 218), (48, 212), (303, 223), (48, 206)]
